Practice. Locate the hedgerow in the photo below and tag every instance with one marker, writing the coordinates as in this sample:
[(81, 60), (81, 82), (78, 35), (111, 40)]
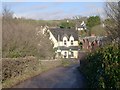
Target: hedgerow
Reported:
[(102, 67)]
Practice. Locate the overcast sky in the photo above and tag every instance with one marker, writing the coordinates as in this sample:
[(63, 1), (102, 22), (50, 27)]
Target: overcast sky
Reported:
[(54, 10)]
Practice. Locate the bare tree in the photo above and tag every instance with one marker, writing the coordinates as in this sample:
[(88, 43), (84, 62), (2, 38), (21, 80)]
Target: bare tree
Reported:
[(7, 13), (113, 22), (19, 38)]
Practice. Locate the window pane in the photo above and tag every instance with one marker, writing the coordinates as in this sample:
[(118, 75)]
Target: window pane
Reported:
[(65, 42), (71, 42), (72, 54), (65, 54)]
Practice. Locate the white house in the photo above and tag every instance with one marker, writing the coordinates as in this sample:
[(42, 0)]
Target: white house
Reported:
[(65, 42), (81, 26)]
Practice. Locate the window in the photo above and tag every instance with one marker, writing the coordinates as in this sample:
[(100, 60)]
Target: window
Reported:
[(65, 42), (65, 54), (72, 54), (71, 42)]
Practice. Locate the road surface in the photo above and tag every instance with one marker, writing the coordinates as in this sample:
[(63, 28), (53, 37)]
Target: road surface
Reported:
[(60, 77)]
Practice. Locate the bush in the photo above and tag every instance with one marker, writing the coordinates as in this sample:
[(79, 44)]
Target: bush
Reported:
[(67, 25), (102, 67), (21, 38), (15, 70)]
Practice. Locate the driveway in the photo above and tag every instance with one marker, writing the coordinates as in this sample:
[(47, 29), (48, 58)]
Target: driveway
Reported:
[(60, 77)]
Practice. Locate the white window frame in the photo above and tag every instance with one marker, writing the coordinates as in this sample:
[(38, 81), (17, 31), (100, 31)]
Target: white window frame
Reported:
[(71, 40), (65, 40)]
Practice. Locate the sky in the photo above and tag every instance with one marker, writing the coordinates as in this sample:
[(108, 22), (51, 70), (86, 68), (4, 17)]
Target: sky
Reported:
[(55, 10)]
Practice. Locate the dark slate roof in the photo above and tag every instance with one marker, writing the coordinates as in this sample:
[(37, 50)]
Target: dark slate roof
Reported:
[(62, 32), (80, 26), (91, 39), (68, 48)]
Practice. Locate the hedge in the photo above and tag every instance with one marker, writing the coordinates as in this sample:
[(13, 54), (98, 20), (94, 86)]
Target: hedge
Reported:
[(102, 67)]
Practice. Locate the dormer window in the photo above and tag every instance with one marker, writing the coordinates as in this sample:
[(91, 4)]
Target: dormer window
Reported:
[(71, 42), (65, 43), (65, 40)]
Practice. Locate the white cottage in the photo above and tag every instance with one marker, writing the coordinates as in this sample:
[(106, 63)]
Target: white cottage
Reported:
[(65, 42)]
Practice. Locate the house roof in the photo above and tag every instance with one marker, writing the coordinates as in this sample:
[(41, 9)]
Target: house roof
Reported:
[(91, 39), (64, 32), (67, 48)]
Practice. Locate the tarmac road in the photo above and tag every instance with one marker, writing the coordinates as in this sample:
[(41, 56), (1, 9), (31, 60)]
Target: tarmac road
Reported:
[(60, 77)]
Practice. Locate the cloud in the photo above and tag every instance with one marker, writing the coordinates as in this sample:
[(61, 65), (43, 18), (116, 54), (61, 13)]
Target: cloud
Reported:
[(9, 3), (96, 11), (38, 7), (42, 15), (57, 3), (32, 8), (61, 14), (52, 15), (81, 0), (57, 11), (91, 6)]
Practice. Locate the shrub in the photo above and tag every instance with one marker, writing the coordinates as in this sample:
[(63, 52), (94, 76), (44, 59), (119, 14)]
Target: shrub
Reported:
[(102, 67), (21, 38)]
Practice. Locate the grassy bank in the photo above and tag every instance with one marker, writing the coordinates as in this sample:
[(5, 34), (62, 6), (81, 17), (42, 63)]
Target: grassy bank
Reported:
[(16, 70), (19, 69)]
